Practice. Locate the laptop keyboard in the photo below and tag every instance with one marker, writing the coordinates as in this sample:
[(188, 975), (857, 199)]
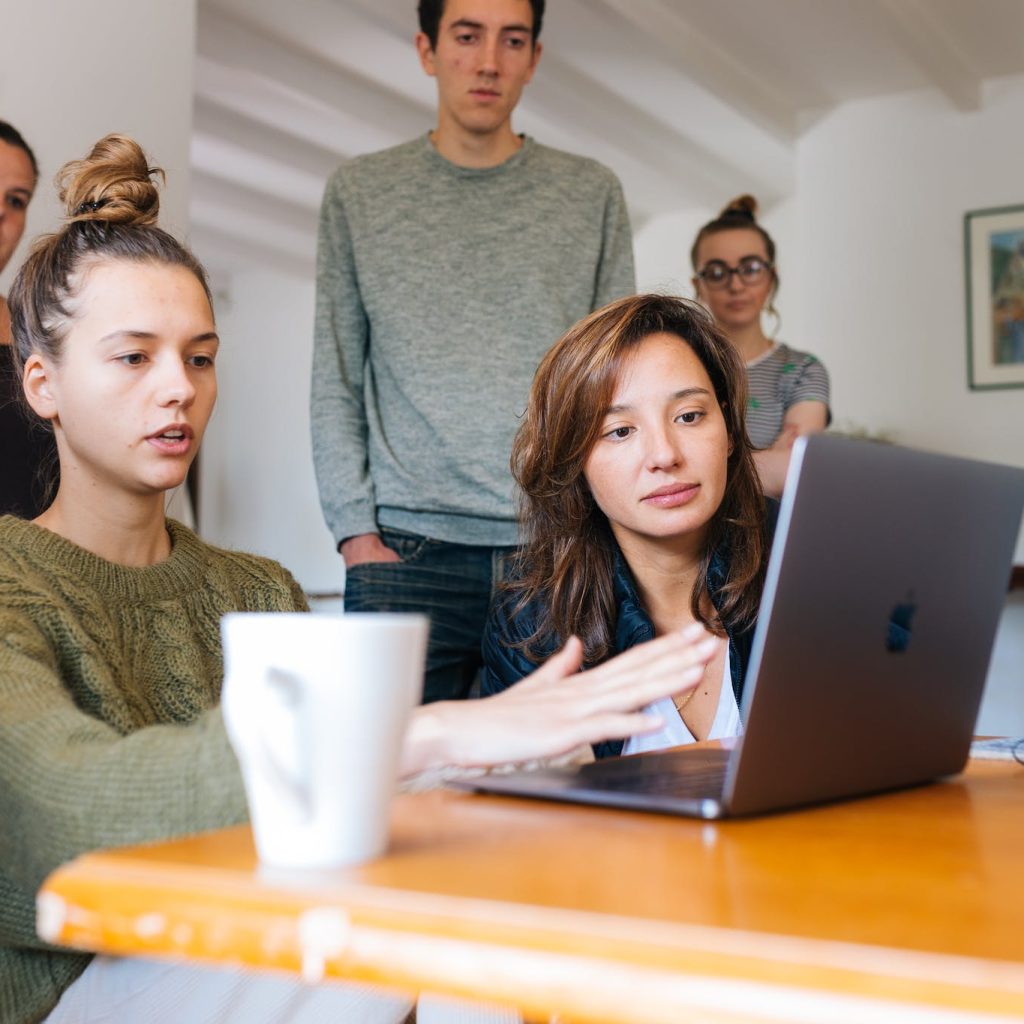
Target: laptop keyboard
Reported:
[(679, 774)]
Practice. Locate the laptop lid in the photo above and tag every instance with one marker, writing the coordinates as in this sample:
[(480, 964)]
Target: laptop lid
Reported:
[(885, 584), (884, 589)]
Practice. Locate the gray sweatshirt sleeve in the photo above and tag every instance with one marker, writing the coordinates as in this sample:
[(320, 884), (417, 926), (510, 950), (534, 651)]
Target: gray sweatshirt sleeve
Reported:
[(337, 408), (616, 276)]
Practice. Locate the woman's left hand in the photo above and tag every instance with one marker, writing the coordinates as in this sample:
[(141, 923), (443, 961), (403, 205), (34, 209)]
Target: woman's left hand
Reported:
[(557, 707)]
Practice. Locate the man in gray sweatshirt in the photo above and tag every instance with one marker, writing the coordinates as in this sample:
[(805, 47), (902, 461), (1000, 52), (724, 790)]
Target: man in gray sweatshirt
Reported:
[(446, 268)]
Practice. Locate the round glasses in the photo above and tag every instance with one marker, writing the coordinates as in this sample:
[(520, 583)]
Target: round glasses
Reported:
[(717, 274)]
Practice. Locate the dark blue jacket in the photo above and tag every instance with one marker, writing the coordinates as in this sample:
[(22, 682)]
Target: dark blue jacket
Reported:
[(505, 664)]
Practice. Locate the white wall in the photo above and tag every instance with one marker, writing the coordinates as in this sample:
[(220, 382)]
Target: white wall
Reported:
[(72, 72), (882, 189), (257, 489)]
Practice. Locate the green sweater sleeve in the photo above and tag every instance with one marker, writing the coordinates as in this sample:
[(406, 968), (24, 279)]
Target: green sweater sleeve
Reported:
[(337, 408), (616, 275), (74, 783), (110, 732)]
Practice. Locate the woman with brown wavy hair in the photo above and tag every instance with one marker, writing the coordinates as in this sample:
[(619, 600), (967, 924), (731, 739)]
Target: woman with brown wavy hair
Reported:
[(641, 508)]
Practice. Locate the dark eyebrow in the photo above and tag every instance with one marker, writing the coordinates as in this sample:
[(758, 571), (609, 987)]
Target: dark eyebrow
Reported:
[(468, 23), (683, 393), (21, 191)]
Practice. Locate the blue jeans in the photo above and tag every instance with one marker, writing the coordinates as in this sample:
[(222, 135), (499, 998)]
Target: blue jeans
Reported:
[(451, 583)]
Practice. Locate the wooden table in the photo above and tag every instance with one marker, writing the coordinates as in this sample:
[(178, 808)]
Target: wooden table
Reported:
[(905, 907)]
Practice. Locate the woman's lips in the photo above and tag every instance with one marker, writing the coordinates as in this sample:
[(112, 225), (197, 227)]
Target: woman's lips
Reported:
[(672, 496), (173, 440)]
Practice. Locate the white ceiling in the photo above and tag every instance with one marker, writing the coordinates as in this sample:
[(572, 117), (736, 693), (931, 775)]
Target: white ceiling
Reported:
[(689, 101)]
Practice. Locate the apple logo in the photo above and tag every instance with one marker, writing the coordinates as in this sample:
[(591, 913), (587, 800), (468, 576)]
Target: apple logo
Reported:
[(897, 637)]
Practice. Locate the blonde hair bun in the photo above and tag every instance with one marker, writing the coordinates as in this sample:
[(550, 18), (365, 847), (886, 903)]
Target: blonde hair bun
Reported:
[(114, 183)]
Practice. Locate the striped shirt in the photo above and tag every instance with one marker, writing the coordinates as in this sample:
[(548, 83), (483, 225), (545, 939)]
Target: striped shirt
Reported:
[(777, 380)]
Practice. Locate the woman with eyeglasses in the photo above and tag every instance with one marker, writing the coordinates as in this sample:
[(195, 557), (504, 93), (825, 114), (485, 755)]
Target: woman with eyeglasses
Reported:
[(788, 391)]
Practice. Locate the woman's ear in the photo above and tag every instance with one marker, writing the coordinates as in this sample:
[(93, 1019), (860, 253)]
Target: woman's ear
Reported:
[(36, 380)]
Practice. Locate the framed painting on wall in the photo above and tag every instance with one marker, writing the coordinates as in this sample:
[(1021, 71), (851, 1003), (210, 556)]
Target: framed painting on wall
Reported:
[(994, 270)]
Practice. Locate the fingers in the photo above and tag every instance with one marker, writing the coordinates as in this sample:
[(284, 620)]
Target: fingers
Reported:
[(565, 662), (636, 693), (621, 725), (654, 664)]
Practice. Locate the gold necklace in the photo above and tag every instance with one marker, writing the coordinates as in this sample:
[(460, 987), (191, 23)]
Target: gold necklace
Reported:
[(681, 702)]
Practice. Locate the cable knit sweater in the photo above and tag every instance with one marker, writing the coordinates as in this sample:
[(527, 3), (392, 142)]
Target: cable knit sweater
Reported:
[(110, 732)]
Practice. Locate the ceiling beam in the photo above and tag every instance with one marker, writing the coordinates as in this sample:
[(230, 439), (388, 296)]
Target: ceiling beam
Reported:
[(223, 254), (263, 100), (263, 140), (591, 107), (276, 213), (314, 81), (673, 40), (251, 228), (918, 29), (222, 158)]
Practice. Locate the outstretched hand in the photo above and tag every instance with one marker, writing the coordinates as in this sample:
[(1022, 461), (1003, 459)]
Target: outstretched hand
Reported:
[(557, 708)]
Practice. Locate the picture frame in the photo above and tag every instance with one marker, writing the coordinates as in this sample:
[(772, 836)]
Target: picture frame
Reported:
[(994, 274)]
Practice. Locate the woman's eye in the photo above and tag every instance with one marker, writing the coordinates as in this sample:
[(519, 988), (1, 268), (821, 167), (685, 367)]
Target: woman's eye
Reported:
[(132, 359), (201, 362), (618, 433), (690, 417), (17, 203)]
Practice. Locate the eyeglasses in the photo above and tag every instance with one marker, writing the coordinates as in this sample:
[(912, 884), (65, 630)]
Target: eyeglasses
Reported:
[(717, 274)]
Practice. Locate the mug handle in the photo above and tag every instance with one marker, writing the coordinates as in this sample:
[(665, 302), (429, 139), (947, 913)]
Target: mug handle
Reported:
[(286, 707)]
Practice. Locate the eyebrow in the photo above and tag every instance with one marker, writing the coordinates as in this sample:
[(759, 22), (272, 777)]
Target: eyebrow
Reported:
[(683, 393), (749, 256), (469, 23), (20, 191), (150, 336)]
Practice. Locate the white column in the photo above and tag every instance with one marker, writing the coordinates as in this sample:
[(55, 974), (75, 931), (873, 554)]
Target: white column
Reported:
[(73, 71)]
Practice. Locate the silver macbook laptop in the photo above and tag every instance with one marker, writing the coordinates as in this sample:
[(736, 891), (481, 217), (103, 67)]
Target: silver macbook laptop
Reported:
[(884, 589)]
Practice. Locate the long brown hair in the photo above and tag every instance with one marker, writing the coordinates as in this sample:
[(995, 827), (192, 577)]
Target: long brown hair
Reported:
[(568, 559)]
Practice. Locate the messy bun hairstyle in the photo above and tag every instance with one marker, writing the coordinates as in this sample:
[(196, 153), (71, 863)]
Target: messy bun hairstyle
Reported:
[(111, 205), (113, 184), (741, 213)]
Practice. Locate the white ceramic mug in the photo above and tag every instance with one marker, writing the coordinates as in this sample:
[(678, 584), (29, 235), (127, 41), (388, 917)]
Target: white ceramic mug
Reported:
[(316, 708)]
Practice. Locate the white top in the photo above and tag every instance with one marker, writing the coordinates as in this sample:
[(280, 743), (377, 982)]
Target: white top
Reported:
[(674, 732)]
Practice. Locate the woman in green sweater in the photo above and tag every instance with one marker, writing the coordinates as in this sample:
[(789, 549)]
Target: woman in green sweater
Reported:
[(110, 657)]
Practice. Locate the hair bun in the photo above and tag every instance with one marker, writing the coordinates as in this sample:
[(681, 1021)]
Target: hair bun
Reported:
[(114, 183), (744, 206)]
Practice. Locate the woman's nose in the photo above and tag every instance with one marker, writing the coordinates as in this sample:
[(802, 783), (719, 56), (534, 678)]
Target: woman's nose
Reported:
[(176, 387), (662, 449)]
